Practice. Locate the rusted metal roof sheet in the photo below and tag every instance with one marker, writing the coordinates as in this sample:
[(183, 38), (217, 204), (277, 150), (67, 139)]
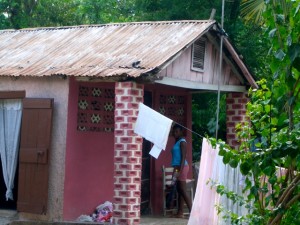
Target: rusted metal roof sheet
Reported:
[(96, 50)]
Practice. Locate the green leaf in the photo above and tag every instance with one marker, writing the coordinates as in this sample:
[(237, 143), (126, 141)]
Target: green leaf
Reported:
[(245, 168), (226, 159), (294, 52), (276, 75), (234, 163), (254, 190), (280, 18), (268, 170), (289, 40), (274, 121), (267, 108), (297, 9), (222, 152), (291, 100), (280, 54), (272, 179), (296, 64), (272, 32), (220, 189)]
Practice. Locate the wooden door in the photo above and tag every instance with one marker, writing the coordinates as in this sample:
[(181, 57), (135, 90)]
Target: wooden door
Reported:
[(145, 190), (34, 155)]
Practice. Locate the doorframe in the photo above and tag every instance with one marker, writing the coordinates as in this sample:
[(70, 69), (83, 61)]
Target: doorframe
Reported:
[(150, 208), (12, 94)]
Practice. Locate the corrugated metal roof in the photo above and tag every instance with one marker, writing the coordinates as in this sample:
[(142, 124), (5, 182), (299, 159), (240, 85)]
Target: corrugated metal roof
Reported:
[(96, 50)]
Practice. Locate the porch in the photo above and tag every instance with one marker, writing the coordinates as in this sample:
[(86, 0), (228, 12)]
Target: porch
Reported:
[(144, 221)]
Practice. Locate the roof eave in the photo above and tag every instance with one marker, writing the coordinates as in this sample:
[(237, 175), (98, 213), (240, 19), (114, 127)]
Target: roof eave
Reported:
[(240, 63)]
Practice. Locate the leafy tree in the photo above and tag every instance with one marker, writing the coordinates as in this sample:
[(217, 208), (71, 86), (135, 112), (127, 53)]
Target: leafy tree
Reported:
[(38, 13), (204, 119), (175, 9), (107, 11), (269, 154), (16, 13)]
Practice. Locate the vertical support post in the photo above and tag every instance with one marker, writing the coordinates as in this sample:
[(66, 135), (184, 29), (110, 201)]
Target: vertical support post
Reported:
[(127, 154), (235, 113)]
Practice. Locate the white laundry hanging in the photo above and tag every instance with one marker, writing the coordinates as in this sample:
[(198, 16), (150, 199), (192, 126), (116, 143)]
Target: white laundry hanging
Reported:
[(154, 127), (10, 125), (155, 151), (232, 179), (204, 210)]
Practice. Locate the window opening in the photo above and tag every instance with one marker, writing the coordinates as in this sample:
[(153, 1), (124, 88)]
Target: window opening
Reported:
[(95, 109), (198, 54)]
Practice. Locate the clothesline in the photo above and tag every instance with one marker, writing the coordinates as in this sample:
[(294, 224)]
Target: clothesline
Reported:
[(189, 130), (155, 127)]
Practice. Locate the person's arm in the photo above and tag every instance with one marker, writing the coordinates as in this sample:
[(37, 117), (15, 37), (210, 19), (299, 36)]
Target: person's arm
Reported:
[(183, 155)]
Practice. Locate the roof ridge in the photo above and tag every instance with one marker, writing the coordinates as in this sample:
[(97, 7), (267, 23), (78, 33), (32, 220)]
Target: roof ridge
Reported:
[(107, 24)]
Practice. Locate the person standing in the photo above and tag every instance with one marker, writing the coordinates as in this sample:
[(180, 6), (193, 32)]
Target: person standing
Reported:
[(181, 169)]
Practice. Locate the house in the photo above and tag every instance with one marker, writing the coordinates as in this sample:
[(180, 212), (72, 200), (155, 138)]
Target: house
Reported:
[(80, 88)]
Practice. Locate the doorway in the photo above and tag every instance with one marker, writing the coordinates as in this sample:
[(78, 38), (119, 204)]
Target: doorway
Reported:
[(145, 182), (10, 127), (10, 204)]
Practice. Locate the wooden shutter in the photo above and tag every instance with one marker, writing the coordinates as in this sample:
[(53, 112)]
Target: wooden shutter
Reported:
[(198, 55), (34, 155)]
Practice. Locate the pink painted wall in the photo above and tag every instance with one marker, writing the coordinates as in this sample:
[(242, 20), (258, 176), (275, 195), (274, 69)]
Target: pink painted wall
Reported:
[(165, 156), (89, 163), (57, 88), (180, 68)]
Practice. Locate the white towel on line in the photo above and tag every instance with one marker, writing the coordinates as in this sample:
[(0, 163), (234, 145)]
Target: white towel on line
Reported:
[(155, 151), (154, 127)]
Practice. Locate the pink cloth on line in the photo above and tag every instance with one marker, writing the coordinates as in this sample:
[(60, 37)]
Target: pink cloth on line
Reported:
[(184, 173), (203, 210)]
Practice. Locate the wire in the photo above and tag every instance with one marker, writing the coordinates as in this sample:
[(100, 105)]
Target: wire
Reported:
[(220, 69), (189, 130)]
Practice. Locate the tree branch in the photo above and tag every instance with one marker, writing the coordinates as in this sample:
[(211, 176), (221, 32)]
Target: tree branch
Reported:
[(280, 215), (292, 201), (292, 186)]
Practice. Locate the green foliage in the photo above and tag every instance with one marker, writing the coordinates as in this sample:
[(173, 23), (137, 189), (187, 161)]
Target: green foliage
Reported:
[(32, 13), (271, 138), (175, 9), (252, 10), (204, 119), (107, 11)]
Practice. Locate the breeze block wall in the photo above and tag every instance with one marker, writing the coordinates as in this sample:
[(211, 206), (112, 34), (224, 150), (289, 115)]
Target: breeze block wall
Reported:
[(235, 113), (127, 154)]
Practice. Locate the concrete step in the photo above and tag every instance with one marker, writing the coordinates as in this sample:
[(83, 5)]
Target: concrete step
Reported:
[(144, 221), (6, 216)]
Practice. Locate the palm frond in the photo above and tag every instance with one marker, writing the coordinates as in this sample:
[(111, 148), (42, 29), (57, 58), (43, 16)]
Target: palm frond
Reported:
[(251, 10)]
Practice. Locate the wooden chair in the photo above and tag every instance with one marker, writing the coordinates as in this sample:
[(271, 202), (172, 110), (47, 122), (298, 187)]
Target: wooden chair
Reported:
[(167, 179)]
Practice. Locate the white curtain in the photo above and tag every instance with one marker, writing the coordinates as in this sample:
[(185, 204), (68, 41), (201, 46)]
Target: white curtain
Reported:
[(10, 126)]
